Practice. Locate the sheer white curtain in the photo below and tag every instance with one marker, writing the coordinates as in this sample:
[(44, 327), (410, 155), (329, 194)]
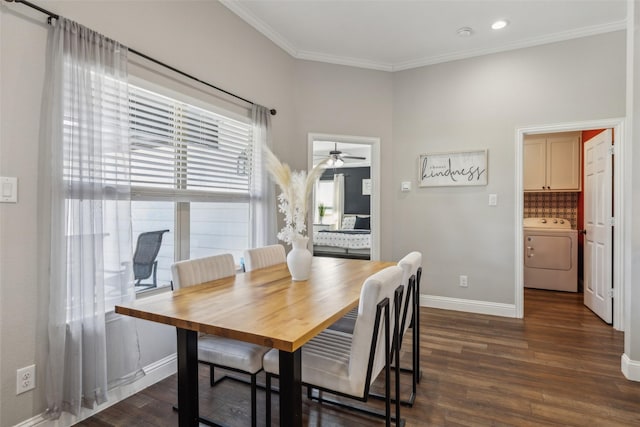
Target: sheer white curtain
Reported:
[(338, 198), (85, 216), (263, 194)]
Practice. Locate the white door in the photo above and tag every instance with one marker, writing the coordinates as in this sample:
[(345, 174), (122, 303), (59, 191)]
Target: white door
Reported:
[(598, 187)]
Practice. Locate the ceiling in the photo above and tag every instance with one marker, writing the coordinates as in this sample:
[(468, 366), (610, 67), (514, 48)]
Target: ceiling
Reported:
[(393, 35)]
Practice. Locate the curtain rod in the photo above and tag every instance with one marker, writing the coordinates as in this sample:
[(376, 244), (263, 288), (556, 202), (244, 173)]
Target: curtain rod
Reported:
[(147, 57)]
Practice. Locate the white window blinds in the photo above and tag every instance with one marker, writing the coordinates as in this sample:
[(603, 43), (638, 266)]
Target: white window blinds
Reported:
[(185, 152)]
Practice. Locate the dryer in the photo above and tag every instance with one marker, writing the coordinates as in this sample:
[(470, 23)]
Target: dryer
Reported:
[(550, 254)]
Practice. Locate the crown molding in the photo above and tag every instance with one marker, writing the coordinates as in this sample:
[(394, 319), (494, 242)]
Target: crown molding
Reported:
[(343, 60), (259, 25), (532, 42)]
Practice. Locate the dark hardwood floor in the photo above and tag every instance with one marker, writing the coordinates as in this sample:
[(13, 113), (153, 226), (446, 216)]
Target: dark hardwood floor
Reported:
[(558, 366)]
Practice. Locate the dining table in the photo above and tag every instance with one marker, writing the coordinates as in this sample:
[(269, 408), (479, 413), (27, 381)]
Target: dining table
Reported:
[(263, 306)]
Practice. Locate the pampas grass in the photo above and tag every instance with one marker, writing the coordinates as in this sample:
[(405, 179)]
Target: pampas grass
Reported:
[(296, 188)]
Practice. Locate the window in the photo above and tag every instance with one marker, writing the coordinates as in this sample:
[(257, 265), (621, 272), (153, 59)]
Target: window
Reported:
[(324, 194), (190, 174)]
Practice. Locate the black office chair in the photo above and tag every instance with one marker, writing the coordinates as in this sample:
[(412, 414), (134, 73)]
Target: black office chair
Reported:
[(144, 258)]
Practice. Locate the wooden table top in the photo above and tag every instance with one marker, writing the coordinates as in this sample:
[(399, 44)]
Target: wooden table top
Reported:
[(263, 306)]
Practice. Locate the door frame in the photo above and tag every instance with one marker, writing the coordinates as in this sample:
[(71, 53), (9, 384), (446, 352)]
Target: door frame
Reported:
[(620, 194), (374, 144)]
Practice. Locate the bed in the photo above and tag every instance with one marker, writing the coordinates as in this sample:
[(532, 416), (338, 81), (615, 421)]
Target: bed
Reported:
[(353, 240)]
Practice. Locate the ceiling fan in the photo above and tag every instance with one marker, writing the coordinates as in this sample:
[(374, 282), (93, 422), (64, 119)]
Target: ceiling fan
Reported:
[(337, 157)]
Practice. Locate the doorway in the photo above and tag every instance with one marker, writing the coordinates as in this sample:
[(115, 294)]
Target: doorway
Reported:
[(355, 152), (618, 208)]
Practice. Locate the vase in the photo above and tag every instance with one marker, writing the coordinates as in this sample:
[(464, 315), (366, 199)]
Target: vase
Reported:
[(299, 259)]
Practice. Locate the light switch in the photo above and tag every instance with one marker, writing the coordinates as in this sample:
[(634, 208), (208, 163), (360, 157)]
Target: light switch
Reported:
[(366, 187), (493, 199), (9, 192), (405, 186)]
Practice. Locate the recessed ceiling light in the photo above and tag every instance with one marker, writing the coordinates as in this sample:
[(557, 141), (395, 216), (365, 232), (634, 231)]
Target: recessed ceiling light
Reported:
[(464, 32), (498, 25)]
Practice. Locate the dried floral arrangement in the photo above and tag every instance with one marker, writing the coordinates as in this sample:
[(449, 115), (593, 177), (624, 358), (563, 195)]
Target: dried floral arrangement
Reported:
[(295, 193)]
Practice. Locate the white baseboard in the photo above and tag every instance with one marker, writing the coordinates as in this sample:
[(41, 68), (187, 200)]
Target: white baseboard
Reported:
[(630, 368), (38, 420), (469, 306), (154, 372)]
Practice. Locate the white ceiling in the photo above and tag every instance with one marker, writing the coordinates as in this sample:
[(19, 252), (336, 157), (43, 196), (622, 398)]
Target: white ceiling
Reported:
[(394, 35)]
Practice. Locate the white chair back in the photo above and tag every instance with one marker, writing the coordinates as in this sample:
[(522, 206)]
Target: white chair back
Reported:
[(377, 287), (410, 265), (195, 271), (347, 364), (264, 257)]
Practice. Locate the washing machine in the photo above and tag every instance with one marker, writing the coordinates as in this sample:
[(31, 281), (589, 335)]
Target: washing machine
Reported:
[(550, 254)]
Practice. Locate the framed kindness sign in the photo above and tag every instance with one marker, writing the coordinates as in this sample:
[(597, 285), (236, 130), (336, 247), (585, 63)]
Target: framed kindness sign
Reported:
[(455, 168)]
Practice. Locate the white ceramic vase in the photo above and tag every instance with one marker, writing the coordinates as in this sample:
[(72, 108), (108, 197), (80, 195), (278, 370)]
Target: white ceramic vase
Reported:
[(299, 259)]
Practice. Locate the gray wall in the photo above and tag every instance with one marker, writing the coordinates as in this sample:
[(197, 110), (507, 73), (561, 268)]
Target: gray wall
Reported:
[(21, 329), (475, 103), (342, 100), (479, 103), (202, 38)]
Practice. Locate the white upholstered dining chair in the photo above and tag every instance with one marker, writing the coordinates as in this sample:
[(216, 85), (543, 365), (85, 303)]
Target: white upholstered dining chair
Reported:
[(264, 257), (217, 351), (411, 265), (347, 364)]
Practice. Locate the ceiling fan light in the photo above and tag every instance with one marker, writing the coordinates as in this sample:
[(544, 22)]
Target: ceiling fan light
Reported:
[(338, 162)]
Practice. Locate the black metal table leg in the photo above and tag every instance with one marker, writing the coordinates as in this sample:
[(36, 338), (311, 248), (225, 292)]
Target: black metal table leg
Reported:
[(290, 388), (187, 378)]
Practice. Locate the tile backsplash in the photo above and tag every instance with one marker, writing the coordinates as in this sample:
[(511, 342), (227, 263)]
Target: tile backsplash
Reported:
[(557, 205)]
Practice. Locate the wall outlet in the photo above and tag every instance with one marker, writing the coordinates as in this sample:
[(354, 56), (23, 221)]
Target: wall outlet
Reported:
[(464, 283), (25, 379)]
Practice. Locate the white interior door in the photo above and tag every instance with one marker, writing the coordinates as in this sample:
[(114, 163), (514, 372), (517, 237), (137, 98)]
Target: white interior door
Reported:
[(598, 187)]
